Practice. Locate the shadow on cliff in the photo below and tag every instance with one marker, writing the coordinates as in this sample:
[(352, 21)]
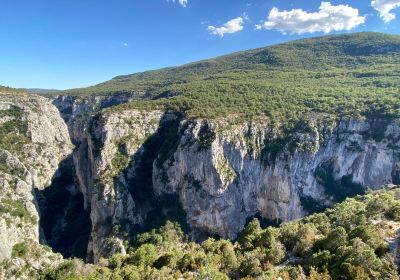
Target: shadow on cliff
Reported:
[(65, 224), (155, 151)]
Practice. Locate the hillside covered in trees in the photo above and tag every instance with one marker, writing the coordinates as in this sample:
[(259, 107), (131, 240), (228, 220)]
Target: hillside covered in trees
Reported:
[(354, 74)]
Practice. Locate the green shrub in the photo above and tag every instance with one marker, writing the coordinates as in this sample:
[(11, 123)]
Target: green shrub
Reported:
[(250, 235), (250, 266), (206, 136), (20, 250), (192, 261), (276, 253), (305, 238), (130, 272), (16, 208), (335, 239), (368, 234), (394, 212), (145, 255), (67, 270)]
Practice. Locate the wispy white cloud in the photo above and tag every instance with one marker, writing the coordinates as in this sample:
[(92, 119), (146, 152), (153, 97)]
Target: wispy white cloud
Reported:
[(232, 26), (328, 18), (125, 44), (182, 2), (385, 8)]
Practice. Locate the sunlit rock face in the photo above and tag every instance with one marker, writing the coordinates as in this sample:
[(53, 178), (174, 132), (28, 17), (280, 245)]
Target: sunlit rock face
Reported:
[(34, 140), (71, 107), (214, 175), (243, 173)]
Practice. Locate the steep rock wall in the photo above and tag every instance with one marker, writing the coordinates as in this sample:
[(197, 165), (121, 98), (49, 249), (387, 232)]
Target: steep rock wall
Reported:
[(221, 173), (71, 107), (247, 170), (34, 140), (107, 145)]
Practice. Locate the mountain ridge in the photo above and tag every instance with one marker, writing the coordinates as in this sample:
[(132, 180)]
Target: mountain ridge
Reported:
[(362, 39), (303, 81)]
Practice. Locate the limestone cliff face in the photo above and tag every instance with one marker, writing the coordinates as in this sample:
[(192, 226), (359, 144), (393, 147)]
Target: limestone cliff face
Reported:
[(34, 140), (249, 170), (108, 145), (71, 107), (220, 174)]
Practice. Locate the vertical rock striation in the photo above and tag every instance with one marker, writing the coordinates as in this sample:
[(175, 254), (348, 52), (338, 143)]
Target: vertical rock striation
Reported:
[(219, 174), (33, 141)]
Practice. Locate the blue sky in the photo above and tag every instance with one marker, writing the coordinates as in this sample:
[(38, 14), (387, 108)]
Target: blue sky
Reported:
[(74, 43)]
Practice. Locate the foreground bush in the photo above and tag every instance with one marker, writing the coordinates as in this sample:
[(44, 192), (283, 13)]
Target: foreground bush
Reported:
[(341, 243)]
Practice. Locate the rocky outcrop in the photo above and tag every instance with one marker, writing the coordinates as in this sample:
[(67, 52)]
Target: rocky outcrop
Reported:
[(28, 261), (250, 170), (33, 141), (107, 145), (216, 174), (71, 107)]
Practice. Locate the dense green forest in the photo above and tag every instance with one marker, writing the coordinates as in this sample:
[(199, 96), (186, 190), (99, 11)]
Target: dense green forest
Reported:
[(354, 74), (350, 241)]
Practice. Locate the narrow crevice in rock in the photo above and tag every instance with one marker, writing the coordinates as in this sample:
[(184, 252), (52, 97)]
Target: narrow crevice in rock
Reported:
[(65, 224), (154, 152)]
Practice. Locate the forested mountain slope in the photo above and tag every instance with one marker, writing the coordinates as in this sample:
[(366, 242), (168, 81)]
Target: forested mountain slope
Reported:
[(342, 74)]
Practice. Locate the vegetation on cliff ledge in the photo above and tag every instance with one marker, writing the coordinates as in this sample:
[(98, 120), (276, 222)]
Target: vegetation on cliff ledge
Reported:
[(13, 129)]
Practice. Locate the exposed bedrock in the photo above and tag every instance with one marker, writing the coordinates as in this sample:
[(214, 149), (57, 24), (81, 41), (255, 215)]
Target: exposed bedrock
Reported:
[(138, 168)]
